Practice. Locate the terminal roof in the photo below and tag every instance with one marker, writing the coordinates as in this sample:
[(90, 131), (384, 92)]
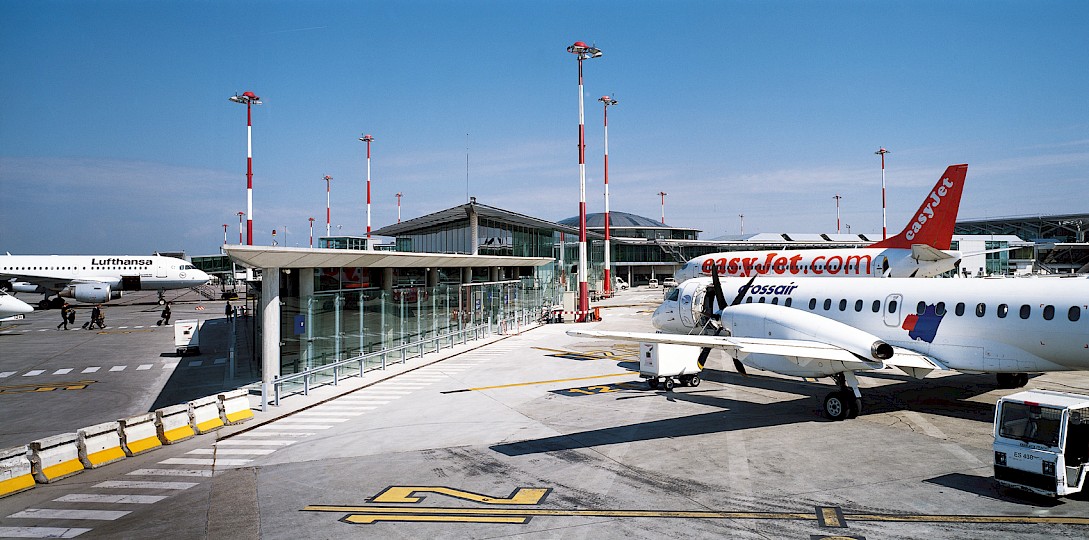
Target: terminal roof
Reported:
[(288, 257)]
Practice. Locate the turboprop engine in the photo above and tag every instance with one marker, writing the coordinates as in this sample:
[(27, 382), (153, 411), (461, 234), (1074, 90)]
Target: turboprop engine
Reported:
[(90, 293)]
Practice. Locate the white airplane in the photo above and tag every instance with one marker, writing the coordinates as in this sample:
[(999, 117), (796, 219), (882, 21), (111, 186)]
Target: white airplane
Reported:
[(96, 278), (812, 327), (12, 308), (920, 250)]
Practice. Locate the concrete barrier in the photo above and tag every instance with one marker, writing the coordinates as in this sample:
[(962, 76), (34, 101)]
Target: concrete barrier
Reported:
[(138, 434), (172, 424), (99, 445), (53, 458), (234, 406), (15, 475), (205, 414)]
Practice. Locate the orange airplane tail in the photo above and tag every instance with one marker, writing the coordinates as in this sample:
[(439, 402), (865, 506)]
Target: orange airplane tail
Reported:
[(933, 223)]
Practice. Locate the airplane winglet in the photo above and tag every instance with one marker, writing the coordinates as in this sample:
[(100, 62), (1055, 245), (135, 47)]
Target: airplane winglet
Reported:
[(933, 223)]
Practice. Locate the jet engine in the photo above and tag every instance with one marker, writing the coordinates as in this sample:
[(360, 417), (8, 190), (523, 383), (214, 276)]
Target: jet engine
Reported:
[(90, 293), (770, 321)]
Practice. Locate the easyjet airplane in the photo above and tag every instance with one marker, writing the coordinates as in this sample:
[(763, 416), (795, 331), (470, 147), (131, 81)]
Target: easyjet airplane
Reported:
[(920, 250), (96, 278), (809, 327)]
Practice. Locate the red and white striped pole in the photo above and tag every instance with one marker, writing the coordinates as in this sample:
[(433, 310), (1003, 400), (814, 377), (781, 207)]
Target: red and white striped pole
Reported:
[(249, 99), (328, 211), (837, 197), (312, 233), (582, 51), (884, 226), (663, 194), (367, 139), (224, 234), (608, 249), (399, 206), (240, 214)]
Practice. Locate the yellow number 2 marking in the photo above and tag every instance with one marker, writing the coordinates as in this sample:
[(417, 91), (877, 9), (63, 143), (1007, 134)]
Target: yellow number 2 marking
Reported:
[(404, 494)]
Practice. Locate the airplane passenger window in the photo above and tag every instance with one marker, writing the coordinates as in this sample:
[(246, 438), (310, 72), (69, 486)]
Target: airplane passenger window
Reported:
[(1003, 310), (920, 308), (1049, 312), (892, 306), (858, 305), (843, 304), (761, 300), (812, 303), (1074, 314), (775, 300), (981, 309), (876, 306), (939, 309), (788, 302), (959, 310), (748, 300), (827, 304), (1025, 311)]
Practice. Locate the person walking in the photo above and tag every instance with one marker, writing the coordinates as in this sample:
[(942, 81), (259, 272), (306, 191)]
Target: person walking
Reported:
[(65, 311), (97, 318), (228, 310), (165, 315)]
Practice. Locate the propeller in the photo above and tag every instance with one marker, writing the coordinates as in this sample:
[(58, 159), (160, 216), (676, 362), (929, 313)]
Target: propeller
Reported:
[(708, 313)]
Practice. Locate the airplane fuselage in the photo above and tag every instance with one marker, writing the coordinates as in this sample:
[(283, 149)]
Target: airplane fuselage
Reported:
[(56, 273), (838, 262), (1011, 325)]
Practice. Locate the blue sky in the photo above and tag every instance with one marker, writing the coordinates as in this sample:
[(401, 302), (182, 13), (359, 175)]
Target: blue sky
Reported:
[(116, 135)]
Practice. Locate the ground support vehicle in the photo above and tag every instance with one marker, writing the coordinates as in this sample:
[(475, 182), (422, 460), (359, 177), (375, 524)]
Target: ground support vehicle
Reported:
[(1041, 442), (665, 365)]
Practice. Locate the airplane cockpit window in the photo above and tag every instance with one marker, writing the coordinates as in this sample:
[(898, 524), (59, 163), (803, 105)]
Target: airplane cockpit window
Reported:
[(673, 294)]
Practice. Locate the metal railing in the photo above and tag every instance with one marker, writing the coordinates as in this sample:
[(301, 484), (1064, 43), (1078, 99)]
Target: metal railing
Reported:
[(356, 366)]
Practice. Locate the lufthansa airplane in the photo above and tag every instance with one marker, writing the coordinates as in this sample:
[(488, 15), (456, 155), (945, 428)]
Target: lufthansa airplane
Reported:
[(96, 278), (812, 327), (920, 250)]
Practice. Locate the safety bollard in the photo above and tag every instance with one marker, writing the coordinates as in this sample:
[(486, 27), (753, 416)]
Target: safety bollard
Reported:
[(99, 445), (53, 458), (234, 406), (15, 475), (172, 424), (138, 434), (204, 414)]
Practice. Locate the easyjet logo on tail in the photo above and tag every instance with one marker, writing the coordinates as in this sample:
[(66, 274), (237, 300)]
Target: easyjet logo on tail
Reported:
[(928, 208)]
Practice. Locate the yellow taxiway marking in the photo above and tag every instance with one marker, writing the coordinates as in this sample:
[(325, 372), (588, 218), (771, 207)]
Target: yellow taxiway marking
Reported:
[(25, 388), (404, 494), (360, 514), (513, 385), (366, 519)]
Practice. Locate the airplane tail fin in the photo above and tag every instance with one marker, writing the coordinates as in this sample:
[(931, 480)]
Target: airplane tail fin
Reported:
[(933, 223)]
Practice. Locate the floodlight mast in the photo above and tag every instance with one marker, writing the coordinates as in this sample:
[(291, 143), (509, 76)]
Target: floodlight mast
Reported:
[(582, 51), (368, 139), (312, 232), (608, 249), (328, 211), (249, 100), (884, 228), (663, 194), (399, 195), (837, 197), (240, 214)]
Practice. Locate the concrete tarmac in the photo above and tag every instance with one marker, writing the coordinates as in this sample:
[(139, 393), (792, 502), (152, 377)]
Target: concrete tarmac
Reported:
[(541, 435)]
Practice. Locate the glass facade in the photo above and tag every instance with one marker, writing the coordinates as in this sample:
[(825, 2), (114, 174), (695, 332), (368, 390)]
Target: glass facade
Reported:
[(495, 237)]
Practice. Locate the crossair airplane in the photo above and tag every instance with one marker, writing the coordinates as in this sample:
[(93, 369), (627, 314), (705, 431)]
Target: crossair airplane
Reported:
[(920, 250), (96, 278), (812, 327), (11, 308)]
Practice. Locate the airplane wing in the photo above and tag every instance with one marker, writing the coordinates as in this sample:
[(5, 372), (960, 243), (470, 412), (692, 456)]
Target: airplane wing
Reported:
[(910, 362)]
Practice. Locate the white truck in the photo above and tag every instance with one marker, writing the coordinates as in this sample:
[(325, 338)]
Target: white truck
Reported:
[(667, 364), (1041, 442)]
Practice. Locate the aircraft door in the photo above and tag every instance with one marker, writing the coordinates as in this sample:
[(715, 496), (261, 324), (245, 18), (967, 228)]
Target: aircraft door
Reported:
[(160, 272), (690, 305), (893, 304)]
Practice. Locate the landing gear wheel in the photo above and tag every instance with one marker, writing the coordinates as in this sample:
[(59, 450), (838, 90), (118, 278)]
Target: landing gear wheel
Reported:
[(1022, 379), (835, 407), (43, 305), (694, 381), (668, 384), (652, 383), (1012, 380), (854, 405), (162, 301)]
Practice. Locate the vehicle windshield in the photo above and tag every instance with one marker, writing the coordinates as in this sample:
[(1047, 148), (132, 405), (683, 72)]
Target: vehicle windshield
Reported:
[(1030, 423), (673, 295)]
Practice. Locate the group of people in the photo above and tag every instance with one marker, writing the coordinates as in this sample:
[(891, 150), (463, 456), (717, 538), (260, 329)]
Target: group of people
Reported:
[(98, 317), (68, 316)]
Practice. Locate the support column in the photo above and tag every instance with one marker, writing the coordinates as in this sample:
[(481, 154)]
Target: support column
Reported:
[(493, 273), (474, 227), (467, 275), (432, 277), (270, 331), (387, 279)]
